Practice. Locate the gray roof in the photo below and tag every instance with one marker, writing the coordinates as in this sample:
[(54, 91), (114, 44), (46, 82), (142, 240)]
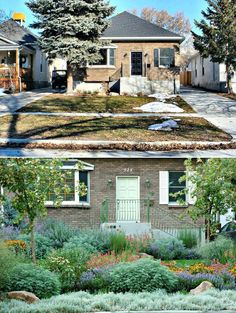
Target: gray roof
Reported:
[(17, 33), (128, 25), (5, 41)]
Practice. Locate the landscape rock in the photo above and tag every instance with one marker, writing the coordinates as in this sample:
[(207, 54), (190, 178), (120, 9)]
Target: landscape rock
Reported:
[(26, 296), (114, 94), (204, 286)]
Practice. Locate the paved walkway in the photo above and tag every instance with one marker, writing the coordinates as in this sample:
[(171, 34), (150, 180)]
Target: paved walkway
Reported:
[(218, 110), (94, 114), (114, 154), (11, 103)]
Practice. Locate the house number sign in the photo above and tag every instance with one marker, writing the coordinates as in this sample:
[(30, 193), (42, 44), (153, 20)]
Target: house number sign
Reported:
[(128, 170)]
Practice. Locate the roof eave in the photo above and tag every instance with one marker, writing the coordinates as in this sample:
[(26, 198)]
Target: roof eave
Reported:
[(130, 39)]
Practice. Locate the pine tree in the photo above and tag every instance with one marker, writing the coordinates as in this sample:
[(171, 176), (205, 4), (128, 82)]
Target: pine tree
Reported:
[(218, 38), (71, 29)]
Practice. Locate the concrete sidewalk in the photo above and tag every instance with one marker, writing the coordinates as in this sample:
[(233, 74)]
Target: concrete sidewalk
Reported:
[(216, 109), (11, 103), (111, 154)]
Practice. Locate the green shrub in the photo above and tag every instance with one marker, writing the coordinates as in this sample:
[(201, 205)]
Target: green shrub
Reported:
[(63, 267), (8, 260), (222, 249), (98, 239), (32, 278), (188, 237), (142, 275), (167, 249), (75, 242), (69, 264), (43, 245), (57, 231), (118, 243)]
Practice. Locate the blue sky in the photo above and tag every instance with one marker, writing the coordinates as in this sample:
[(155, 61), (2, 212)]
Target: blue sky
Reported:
[(191, 8)]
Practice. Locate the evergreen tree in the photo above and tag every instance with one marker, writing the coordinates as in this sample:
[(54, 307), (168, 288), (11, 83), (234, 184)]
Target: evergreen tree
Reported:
[(218, 38), (71, 29)]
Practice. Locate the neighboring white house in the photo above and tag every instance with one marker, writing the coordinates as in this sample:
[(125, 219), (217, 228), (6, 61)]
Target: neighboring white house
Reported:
[(209, 75)]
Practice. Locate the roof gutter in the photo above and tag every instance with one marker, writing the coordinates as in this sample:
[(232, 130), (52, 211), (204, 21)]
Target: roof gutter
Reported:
[(144, 38)]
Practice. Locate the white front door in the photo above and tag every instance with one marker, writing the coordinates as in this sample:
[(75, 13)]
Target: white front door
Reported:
[(127, 199)]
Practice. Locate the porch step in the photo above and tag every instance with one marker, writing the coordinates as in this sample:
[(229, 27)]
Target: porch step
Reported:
[(129, 228)]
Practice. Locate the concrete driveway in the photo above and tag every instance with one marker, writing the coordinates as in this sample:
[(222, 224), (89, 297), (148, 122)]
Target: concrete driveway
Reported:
[(218, 110), (11, 103)]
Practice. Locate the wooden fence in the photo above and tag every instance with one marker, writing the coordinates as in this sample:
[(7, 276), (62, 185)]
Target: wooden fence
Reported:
[(186, 78)]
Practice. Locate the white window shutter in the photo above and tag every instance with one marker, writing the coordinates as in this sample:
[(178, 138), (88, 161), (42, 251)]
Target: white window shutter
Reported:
[(190, 187), (164, 187)]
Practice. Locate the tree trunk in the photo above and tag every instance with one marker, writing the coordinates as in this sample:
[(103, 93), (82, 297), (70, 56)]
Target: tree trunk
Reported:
[(229, 79), (69, 78), (33, 252), (208, 230)]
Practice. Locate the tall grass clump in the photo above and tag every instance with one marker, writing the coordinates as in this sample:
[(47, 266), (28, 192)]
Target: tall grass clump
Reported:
[(222, 249), (118, 243), (188, 237)]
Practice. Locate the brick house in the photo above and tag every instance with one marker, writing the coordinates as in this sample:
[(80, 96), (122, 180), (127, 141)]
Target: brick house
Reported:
[(131, 194), (141, 58), (22, 64)]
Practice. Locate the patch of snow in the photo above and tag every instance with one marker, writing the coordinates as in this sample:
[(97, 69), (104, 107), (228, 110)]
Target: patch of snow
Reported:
[(165, 126), (162, 96), (160, 107)]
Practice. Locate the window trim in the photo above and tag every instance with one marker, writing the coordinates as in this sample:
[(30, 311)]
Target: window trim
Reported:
[(176, 203), (77, 201), (159, 58), (108, 65)]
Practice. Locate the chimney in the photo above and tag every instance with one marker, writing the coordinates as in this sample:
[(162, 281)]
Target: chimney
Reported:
[(19, 17)]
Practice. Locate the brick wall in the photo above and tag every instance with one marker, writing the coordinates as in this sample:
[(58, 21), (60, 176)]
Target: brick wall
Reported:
[(123, 56), (107, 170)]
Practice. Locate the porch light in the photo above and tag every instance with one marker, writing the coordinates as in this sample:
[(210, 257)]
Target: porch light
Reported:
[(109, 183), (147, 183)]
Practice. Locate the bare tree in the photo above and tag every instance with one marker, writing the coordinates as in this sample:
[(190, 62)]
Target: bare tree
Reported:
[(177, 23)]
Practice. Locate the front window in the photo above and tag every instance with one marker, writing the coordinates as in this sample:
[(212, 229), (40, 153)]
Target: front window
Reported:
[(164, 57), (108, 57), (176, 185), (73, 180)]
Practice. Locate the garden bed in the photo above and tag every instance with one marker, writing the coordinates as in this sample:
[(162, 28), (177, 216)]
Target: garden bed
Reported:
[(96, 104), (156, 301), (107, 129)]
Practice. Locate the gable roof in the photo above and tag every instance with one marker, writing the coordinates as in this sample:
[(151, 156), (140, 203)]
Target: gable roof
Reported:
[(127, 26), (17, 33)]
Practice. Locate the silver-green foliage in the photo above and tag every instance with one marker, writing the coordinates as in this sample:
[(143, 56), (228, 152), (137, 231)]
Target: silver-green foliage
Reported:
[(142, 275), (222, 249), (157, 301), (57, 231)]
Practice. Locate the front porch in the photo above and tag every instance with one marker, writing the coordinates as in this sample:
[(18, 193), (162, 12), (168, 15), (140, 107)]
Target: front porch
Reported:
[(16, 69), (137, 217)]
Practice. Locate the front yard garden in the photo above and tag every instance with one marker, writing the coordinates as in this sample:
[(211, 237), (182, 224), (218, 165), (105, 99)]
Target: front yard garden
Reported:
[(102, 271), (107, 128), (96, 104)]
